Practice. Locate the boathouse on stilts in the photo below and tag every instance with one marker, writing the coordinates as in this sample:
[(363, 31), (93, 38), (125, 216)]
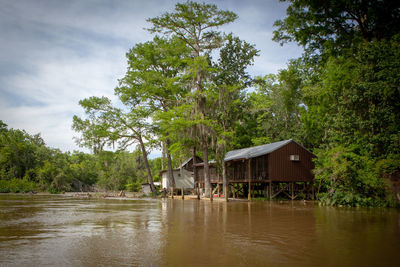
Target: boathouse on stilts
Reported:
[(278, 169)]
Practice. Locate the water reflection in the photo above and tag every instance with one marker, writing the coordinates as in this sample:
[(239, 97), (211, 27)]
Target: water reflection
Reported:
[(60, 231)]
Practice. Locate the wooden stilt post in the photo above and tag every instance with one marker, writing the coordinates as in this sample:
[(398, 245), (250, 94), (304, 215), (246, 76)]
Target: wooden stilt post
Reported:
[(292, 185), (233, 191), (265, 191), (218, 190), (270, 190), (312, 191), (249, 193), (183, 193)]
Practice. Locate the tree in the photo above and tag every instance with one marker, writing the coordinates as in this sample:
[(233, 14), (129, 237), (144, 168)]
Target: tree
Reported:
[(322, 26), (115, 125), (351, 94), (155, 77), (276, 105), (231, 79), (195, 24), (357, 99)]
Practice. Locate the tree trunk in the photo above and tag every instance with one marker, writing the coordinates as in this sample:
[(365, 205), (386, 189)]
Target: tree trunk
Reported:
[(162, 155), (224, 181), (206, 172), (195, 178), (181, 174), (146, 163), (171, 179)]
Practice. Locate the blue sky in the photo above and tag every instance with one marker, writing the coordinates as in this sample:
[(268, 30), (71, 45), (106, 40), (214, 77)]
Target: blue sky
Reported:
[(54, 53)]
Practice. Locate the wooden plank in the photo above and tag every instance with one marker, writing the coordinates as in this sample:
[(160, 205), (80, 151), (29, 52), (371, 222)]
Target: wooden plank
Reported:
[(247, 180)]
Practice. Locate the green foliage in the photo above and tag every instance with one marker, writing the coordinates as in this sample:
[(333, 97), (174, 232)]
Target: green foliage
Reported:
[(195, 24), (329, 26), (134, 187), (349, 89), (356, 100), (348, 176), (40, 168), (276, 106), (17, 186)]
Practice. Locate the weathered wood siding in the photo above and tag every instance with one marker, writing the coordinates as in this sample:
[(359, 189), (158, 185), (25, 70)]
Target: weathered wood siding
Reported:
[(282, 169), (200, 174), (259, 168), (189, 165), (238, 170)]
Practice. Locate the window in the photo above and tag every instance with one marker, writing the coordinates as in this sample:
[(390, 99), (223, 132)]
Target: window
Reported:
[(294, 157)]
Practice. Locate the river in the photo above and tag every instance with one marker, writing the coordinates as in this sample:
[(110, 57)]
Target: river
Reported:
[(66, 231)]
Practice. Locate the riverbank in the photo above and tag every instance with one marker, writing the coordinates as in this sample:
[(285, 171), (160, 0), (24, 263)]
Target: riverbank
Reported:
[(113, 194)]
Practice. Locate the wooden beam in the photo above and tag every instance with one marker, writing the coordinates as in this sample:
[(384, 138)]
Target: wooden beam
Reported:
[(282, 190)]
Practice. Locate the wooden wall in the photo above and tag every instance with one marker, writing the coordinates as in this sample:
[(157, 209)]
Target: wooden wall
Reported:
[(200, 174), (275, 166), (282, 169)]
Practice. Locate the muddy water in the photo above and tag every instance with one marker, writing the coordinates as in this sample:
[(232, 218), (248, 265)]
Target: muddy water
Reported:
[(64, 231)]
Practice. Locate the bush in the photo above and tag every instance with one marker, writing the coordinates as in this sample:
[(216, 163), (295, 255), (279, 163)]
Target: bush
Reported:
[(134, 187), (17, 186), (349, 177)]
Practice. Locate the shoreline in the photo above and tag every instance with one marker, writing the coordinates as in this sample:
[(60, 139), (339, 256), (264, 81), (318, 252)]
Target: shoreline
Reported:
[(137, 195)]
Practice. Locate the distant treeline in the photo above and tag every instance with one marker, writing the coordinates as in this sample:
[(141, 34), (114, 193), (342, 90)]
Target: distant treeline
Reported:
[(28, 165)]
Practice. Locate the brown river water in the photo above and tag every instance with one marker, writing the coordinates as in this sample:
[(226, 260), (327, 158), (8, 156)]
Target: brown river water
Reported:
[(66, 231)]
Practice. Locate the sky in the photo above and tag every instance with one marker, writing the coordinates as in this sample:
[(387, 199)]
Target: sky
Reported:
[(54, 53)]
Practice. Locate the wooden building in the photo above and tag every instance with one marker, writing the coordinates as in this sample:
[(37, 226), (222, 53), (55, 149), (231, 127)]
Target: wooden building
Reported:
[(283, 167), (146, 188), (199, 174)]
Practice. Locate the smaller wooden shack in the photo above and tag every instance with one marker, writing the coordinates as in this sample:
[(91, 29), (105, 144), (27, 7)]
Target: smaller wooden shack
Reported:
[(199, 175), (183, 176), (146, 188)]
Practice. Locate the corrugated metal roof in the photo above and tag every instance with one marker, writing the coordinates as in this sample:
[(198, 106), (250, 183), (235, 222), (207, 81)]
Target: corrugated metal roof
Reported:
[(251, 152)]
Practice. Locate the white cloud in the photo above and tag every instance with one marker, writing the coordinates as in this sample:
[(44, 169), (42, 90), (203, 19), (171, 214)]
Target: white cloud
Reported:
[(55, 53)]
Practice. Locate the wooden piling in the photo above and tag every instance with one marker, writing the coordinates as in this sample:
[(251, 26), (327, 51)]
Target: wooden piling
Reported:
[(265, 191), (292, 185), (270, 190), (312, 191)]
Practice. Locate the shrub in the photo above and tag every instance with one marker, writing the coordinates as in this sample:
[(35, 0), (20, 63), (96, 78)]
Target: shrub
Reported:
[(17, 186), (348, 177), (134, 187)]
